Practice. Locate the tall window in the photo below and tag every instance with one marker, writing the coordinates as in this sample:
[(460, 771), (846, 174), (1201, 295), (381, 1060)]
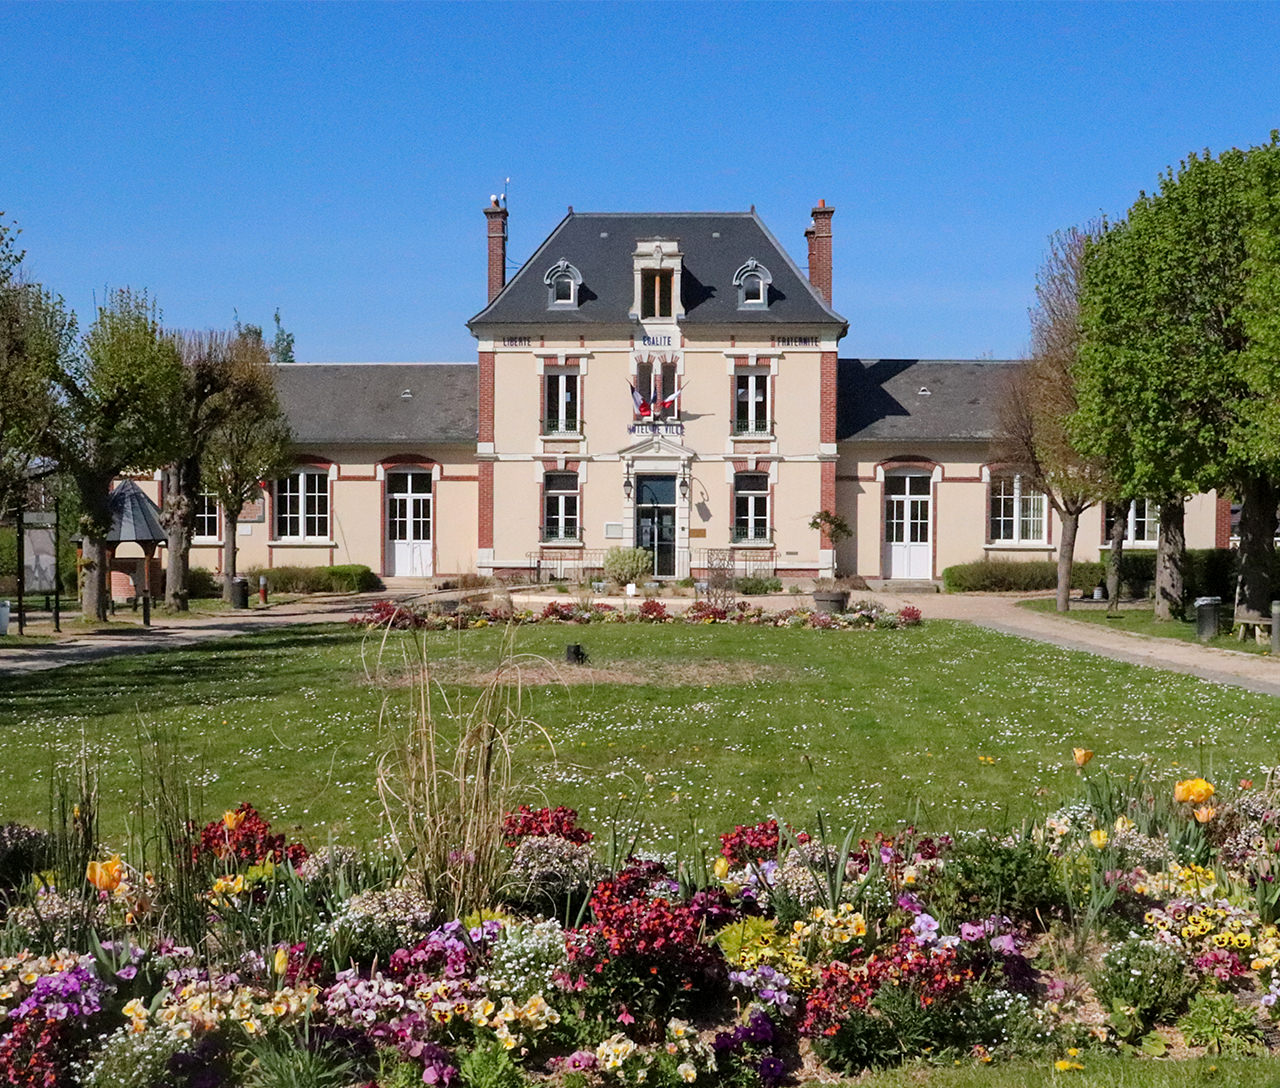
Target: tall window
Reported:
[(560, 506), (206, 516), (751, 508), (656, 383), (1143, 525), (560, 402), (1017, 512), (751, 403), (655, 292), (302, 506)]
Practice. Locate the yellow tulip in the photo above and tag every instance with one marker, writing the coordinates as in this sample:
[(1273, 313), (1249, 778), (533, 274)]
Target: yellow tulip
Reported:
[(1195, 791), (721, 867), (1099, 838), (1082, 756), (281, 961)]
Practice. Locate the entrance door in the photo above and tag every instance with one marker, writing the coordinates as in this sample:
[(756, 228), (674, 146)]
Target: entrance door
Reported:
[(907, 500), (409, 524), (656, 521)]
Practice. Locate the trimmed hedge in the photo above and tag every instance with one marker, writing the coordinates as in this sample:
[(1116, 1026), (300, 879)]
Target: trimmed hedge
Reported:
[(754, 585), (344, 578), (1209, 572)]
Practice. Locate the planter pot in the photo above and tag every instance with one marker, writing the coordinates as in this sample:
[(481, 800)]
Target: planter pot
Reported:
[(830, 600)]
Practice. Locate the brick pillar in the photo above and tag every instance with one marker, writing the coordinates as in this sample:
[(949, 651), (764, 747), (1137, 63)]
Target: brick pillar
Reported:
[(827, 392), (485, 528), (1222, 523), (484, 434), (496, 215), (819, 236)]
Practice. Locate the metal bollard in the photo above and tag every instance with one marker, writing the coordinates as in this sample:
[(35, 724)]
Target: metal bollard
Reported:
[(262, 589), (1275, 628)]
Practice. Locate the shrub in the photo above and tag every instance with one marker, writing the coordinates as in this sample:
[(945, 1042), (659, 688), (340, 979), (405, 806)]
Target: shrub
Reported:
[(623, 565), (754, 585), (344, 578), (24, 851), (984, 876), (1148, 979), (203, 583)]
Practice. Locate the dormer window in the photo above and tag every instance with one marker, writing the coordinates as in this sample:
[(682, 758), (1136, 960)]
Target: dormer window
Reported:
[(563, 281), (752, 281), (657, 263)]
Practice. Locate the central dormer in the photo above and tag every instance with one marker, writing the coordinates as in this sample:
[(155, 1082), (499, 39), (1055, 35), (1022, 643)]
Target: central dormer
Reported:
[(657, 264)]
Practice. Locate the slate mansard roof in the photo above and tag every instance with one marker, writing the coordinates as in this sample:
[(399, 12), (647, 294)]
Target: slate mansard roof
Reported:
[(882, 399), (715, 245), (363, 403)]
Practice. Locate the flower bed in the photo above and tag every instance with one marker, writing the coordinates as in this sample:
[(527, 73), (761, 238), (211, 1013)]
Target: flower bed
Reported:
[(1140, 918), (860, 615)]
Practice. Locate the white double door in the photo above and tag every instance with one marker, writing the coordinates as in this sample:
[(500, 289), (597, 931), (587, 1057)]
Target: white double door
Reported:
[(409, 501), (907, 523)]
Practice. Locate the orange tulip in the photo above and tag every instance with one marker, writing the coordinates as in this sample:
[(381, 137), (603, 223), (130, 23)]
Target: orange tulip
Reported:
[(1205, 813), (105, 875), (1082, 755), (231, 820)]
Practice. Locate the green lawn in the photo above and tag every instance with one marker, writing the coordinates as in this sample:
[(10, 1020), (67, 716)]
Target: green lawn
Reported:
[(727, 725), (1098, 1072), (1139, 619)]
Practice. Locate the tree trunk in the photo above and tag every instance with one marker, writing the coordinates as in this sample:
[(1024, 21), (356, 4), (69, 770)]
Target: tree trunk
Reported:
[(95, 523), (1171, 560), (229, 523), (1118, 529), (180, 483), (1257, 549), (1066, 557)]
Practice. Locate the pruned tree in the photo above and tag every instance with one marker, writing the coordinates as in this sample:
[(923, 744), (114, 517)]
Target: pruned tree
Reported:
[(248, 446), (217, 386), (113, 397), (1039, 399)]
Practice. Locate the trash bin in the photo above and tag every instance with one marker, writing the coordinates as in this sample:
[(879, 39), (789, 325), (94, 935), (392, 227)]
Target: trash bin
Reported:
[(239, 592), (1207, 617)]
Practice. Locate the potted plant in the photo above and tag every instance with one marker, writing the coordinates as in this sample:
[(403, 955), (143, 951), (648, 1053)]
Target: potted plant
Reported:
[(827, 595)]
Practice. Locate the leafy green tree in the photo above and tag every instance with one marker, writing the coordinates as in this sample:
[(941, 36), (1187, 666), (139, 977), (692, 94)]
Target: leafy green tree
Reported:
[(248, 445), (1166, 377), (282, 344), (35, 330), (1040, 398), (114, 395)]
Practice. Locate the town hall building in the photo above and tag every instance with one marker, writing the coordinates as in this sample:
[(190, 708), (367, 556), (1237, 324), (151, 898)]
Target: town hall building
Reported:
[(671, 382)]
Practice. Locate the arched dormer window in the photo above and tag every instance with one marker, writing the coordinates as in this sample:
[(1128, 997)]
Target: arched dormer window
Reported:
[(752, 281), (563, 281)]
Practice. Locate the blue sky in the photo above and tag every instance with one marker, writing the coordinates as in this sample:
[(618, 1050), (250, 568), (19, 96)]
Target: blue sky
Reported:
[(333, 160)]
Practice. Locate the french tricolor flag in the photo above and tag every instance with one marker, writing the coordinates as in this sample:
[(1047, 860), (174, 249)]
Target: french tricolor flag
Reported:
[(641, 405)]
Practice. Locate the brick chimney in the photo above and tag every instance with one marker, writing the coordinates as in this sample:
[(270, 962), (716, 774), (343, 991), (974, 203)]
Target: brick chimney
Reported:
[(819, 237), (496, 214)]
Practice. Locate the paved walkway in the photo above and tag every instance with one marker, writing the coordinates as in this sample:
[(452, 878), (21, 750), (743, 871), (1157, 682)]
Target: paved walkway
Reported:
[(1235, 668)]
